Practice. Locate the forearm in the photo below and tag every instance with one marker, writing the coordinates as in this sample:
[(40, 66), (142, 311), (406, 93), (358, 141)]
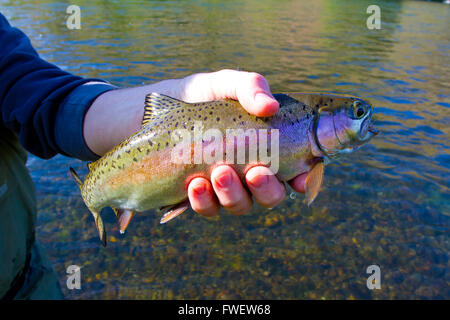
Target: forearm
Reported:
[(115, 115)]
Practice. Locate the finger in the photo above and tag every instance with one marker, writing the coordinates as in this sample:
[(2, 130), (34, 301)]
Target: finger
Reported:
[(265, 187), (298, 183), (229, 190), (249, 88), (202, 199)]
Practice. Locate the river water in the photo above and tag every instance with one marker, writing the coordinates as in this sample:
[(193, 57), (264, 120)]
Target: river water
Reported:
[(386, 205)]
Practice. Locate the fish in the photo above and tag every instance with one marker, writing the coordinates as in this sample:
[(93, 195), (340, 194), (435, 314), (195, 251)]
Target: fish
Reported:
[(142, 173)]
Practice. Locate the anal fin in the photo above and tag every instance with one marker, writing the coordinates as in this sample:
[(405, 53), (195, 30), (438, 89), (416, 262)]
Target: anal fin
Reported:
[(123, 217), (174, 211), (314, 182)]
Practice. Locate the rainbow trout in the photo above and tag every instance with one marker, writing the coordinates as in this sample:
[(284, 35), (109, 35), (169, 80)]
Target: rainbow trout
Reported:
[(141, 173)]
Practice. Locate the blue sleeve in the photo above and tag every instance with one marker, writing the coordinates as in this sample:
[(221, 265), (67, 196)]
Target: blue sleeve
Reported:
[(43, 104)]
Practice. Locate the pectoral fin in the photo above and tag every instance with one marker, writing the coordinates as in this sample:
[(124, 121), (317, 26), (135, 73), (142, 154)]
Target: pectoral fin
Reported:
[(123, 217), (173, 211), (314, 181)]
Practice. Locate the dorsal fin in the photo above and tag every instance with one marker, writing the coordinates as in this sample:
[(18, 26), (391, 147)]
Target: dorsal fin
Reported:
[(157, 105)]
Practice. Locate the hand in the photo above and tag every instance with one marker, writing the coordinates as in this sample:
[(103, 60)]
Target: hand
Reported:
[(117, 114)]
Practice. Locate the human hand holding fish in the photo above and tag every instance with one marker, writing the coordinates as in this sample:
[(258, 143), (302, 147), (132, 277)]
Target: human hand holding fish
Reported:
[(136, 174), (117, 114)]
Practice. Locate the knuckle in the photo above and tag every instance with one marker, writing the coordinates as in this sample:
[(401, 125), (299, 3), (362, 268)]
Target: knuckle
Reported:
[(256, 78)]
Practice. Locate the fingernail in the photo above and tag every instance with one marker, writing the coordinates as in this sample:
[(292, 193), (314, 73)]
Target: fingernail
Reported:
[(262, 97), (224, 180), (200, 189), (259, 181)]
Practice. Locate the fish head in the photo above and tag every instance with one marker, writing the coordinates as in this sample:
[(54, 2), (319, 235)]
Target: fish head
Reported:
[(344, 127)]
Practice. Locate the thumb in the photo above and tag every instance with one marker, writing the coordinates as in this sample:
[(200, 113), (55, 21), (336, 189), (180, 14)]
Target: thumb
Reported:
[(249, 88)]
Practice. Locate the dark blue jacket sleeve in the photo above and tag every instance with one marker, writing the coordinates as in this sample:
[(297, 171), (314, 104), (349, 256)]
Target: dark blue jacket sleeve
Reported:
[(43, 104)]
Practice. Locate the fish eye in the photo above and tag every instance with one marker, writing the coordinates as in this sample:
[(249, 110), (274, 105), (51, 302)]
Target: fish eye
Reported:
[(358, 110)]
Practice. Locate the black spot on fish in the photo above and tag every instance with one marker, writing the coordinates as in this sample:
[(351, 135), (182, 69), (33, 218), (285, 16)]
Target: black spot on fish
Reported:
[(127, 151), (218, 119), (210, 112), (150, 143), (204, 119), (134, 159), (240, 117)]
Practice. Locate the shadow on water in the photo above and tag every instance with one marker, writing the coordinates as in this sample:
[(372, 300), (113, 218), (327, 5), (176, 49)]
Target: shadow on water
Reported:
[(387, 204)]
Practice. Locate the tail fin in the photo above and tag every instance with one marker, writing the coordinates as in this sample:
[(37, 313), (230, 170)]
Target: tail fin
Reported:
[(76, 177)]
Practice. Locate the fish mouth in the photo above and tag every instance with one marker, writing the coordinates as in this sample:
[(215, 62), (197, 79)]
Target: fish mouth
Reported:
[(371, 132), (367, 130)]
